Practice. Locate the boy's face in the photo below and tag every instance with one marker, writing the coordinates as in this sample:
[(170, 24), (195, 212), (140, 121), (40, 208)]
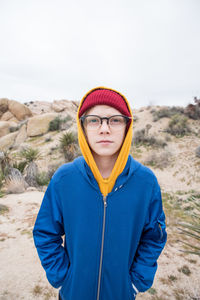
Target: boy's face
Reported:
[(115, 136)]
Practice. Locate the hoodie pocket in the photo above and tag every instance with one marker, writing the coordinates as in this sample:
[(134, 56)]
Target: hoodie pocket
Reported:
[(66, 281), (133, 292)]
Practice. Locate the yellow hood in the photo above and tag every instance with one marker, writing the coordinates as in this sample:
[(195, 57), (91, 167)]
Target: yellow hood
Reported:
[(105, 185)]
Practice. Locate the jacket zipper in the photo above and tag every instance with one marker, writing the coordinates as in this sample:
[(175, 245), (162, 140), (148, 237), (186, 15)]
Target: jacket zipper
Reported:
[(102, 242)]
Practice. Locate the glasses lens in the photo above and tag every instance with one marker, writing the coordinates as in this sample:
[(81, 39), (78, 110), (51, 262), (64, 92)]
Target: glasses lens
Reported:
[(117, 121), (92, 122)]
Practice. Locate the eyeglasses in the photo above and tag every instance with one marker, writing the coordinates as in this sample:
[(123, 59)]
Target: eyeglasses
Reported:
[(93, 122)]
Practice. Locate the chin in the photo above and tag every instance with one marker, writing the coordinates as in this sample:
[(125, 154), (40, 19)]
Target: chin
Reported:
[(105, 153)]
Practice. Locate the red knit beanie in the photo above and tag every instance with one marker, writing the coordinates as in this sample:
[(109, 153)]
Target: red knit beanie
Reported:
[(106, 97)]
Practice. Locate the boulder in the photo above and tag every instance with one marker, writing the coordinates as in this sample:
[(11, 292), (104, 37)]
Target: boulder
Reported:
[(13, 126), (3, 105), (21, 137), (4, 128), (14, 120), (19, 110), (39, 125), (59, 106), (7, 141), (7, 116)]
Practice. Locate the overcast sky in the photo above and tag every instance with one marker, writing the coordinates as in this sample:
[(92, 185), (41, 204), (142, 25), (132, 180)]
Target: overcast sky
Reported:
[(149, 50)]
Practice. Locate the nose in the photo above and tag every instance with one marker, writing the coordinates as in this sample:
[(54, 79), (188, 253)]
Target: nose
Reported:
[(104, 126)]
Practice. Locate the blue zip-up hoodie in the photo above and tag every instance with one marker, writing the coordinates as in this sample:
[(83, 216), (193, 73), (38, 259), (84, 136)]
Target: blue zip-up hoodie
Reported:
[(134, 233), (114, 228)]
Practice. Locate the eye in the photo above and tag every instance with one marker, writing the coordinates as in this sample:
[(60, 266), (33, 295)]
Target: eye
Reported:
[(116, 120), (92, 120)]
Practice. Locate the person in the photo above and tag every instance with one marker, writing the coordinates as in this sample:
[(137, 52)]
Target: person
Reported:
[(106, 206)]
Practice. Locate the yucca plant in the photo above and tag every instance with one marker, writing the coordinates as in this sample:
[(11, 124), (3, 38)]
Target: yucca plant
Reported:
[(20, 165), (68, 145), (192, 230), (29, 154)]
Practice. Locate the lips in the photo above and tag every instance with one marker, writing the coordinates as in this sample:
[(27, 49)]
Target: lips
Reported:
[(105, 141)]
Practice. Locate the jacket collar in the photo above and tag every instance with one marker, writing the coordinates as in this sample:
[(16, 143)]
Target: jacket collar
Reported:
[(131, 166)]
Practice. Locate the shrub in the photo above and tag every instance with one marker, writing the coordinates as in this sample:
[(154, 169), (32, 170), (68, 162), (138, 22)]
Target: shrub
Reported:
[(158, 161), (52, 169), (178, 126), (55, 124), (166, 112), (42, 178), (67, 118), (140, 138), (30, 154)]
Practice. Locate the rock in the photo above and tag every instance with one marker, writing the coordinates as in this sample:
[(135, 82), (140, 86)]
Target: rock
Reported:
[(7, 141), (21, 137), (7, 116), (4, 128), (57, 107), (14, 120), (3, 105), (13, 126), (64, 105), (39, 124), (19, 110), (31, 188)]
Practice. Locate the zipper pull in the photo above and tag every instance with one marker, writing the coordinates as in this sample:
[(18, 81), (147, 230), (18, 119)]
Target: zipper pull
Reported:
[(104, 201)]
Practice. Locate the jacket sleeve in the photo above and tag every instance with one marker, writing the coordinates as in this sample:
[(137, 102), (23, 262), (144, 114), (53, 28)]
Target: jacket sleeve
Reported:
[(47, 233), (151, 244)]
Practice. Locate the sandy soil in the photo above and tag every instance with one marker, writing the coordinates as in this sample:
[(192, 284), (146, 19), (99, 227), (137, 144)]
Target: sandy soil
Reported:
[(22, 276)]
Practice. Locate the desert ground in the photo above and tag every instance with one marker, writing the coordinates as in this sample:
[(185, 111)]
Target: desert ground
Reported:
[(178, 171)]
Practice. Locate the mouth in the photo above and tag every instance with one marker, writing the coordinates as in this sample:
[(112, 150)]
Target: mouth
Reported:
[(105, 141)]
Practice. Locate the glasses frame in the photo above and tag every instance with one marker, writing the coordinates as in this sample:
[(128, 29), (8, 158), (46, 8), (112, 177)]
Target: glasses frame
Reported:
[(82, 118)]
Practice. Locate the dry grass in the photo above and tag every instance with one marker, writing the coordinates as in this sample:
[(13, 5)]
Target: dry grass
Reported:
[(14, 186), (161, 160), (46, 292)]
